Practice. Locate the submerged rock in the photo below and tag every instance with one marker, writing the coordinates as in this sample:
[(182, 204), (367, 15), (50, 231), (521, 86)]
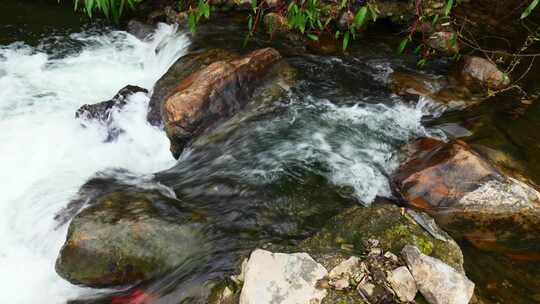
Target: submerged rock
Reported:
[(140, 29), (282, 278), (123, 238), (438, 282), (469, 197), (216, 92), (102, 111)]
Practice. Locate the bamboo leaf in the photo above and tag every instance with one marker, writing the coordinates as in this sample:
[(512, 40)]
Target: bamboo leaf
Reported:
[(403, 45), (360, 17), (449, 5), (529, 9), (346, 38)]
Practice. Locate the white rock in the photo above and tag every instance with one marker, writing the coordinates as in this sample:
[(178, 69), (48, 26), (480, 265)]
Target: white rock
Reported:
[(366, 289), (279, 278), (341, 284), (391, 256), (403, 284), (347, 268), (438, 282)]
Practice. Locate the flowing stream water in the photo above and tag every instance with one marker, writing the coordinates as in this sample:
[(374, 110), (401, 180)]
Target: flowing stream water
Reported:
[(46, 154), (271, 173)]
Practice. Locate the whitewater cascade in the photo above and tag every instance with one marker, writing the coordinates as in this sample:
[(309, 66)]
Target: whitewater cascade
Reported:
[(46, 154)]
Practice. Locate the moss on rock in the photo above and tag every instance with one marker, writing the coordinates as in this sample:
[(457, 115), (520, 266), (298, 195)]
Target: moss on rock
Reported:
[(349, 232)]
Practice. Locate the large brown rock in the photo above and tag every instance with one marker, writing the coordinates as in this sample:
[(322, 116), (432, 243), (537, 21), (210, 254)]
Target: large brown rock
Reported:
[(440, 93), (470, 198), (216, 92), (181, 69)]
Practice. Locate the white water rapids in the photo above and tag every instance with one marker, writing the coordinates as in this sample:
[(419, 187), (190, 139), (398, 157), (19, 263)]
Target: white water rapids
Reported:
[(46, 155)]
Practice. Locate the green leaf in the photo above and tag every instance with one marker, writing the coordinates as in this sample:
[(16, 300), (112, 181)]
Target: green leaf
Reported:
[(254, 5), (313, 37), (338, 33), (422, 62), (192, 23), (250, 22), (346, 40), (435, 19), (529, 9), (360, 17), (449, 5), (403, 45), (373, 11)]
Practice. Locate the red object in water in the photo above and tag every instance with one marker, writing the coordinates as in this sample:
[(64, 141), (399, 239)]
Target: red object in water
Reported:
[(136, 297)]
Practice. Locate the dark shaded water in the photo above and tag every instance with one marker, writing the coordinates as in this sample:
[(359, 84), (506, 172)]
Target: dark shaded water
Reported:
[(278, 170)]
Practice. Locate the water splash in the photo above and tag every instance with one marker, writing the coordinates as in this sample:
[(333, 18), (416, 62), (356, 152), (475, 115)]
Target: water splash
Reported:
[(45, 153)]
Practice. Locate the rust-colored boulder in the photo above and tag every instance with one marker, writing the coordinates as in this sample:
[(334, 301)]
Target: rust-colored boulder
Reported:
[(470, 198), (181, 69), (477, 72), (216, 92), (440, 93)]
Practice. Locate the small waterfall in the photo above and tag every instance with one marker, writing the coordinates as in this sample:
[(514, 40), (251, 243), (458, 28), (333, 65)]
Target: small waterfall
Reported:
[(45, 153)]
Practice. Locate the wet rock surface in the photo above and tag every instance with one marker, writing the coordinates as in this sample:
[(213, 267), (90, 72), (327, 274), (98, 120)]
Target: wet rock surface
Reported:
[(212, 94), (102, 112), (469, 197), (124, 238), (140, 29), (181, 69), (441, 93)]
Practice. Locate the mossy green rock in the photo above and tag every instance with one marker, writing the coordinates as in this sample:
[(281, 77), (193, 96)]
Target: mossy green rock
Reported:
[(123, 238), (349, 232)]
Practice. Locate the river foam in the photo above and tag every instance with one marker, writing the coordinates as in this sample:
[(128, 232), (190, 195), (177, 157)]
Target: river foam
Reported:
[(46, 154)]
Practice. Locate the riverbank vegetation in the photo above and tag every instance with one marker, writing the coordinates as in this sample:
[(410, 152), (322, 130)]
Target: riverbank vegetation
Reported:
[(429, 27)]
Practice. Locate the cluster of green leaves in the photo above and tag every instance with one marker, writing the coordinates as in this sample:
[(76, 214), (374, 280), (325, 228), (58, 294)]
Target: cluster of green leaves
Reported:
[(358, 21), (306, 16), (435, 20), (202, 9), (112, 9)]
